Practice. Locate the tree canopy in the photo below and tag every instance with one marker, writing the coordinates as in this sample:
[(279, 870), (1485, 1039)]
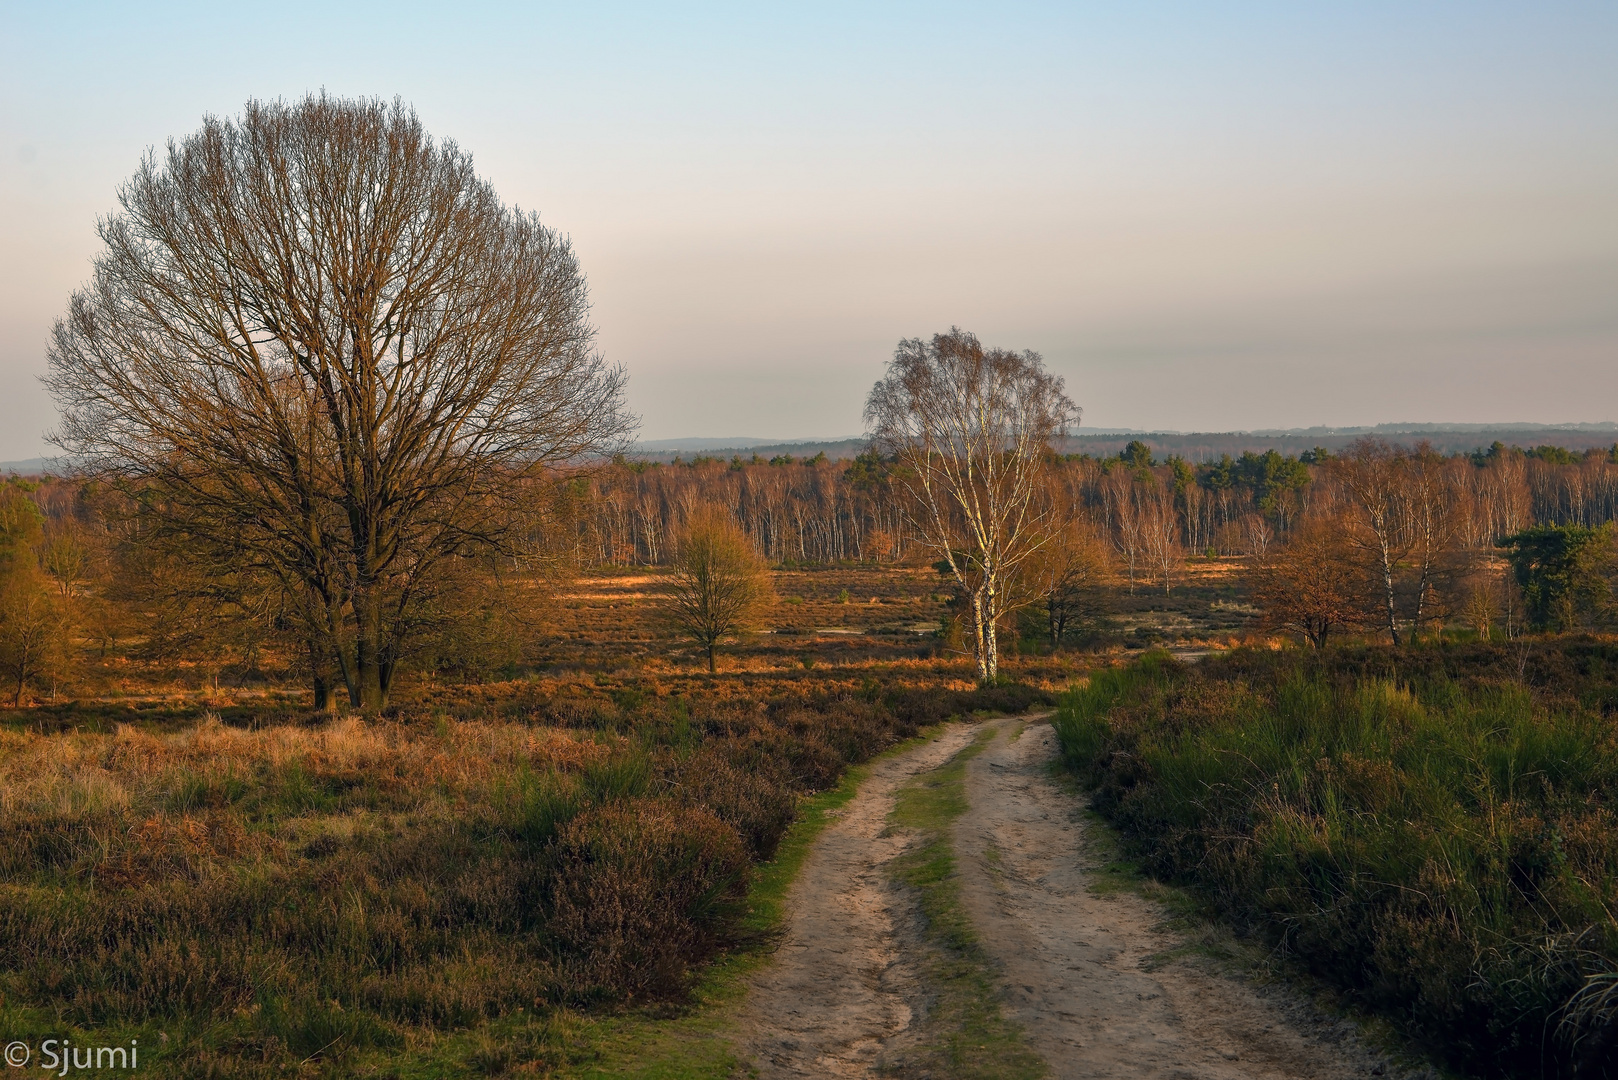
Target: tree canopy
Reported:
[(1562, 570), (319, 352)]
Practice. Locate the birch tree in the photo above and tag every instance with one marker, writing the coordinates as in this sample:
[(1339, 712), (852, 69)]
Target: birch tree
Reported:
[(1374, 478), (971, 430)]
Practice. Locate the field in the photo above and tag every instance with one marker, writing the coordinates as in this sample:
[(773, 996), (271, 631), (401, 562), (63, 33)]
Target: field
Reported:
[(473, 882), (545, 869)]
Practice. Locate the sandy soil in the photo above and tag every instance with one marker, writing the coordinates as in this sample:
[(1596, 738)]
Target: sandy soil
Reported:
[(1084, 973), (840, 989)]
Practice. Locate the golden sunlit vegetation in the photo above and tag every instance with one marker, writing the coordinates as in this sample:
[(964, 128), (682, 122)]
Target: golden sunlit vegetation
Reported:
[(370, 712)]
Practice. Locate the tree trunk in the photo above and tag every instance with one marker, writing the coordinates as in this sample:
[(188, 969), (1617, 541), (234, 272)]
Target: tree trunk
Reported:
[(991, 669), (1387, 583), (320, 673), (368, 692), (713, 668), (980, 638)]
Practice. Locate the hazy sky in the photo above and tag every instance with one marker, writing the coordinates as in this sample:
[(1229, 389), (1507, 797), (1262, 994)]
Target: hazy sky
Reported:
[(1205, 216)]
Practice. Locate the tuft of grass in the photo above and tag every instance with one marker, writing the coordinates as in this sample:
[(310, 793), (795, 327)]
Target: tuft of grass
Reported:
[(965, 1033)]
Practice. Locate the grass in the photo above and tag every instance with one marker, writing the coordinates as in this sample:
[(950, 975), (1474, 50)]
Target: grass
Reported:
[(1439, 848), (965, 1034), (575, 887)]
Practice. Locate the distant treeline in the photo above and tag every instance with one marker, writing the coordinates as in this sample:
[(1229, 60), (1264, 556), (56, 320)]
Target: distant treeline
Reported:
[(1206, 447), (819, 510)]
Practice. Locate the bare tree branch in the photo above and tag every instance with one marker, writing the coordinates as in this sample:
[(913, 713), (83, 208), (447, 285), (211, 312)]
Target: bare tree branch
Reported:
[(335, 353)]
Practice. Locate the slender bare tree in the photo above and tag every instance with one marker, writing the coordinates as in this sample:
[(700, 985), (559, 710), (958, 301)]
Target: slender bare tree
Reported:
[(1436, 517), (1068, 573), (1374, 478), (1129, 536), (1159, 524), (322, 348), (971, 429)]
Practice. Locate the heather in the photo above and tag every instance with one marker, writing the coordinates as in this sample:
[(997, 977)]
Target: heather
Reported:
[(1430, 832)]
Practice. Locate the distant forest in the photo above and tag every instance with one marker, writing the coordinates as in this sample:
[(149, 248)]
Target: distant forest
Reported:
[(1152, 508)]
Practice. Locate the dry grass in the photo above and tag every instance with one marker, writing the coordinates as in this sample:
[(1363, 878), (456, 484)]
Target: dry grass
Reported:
[(283, 892)]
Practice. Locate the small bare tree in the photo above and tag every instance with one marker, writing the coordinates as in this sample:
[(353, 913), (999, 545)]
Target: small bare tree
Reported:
[(34, 629), (1375, 479), (971, 429), (320, 351), (1068, 574), (1314, 585), (718, 584)]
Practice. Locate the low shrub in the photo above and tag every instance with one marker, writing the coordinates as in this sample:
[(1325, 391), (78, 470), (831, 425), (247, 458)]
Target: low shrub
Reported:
[(759, 802), (641, 892), (1443, 846), (316, 895)]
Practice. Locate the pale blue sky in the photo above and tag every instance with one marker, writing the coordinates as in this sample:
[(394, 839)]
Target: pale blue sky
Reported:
[(1205, 216)]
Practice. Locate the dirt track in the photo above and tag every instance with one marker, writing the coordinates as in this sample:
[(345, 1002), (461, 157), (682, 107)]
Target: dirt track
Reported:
[(840, 989), (1089, 976)]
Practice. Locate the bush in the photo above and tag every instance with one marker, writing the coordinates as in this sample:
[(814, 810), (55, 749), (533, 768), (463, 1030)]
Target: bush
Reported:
[(643, 891), (1444, 850), (758, 802), (335, 889)]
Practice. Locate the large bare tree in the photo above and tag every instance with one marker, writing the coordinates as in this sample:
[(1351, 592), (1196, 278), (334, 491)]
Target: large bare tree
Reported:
[(971, 429), (322, 350)]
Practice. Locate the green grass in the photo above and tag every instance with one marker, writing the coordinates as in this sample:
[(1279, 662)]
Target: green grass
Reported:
[(965, 1034), (1441, 848)]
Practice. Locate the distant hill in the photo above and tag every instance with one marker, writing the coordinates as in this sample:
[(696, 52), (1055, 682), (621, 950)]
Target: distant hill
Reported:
[(1199, 446), (28, 466), (657, 446), (1106, 442), (833, 448)]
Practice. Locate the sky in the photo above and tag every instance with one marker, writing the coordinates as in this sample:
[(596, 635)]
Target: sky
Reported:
[(1203, 216)]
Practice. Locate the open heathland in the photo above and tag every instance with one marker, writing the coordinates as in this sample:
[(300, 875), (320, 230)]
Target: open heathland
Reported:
[(1430, 830), (331, 895)]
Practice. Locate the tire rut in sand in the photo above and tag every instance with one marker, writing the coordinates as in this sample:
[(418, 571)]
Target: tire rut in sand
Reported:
[(843, 986), (1098, 984), (1093, 978)]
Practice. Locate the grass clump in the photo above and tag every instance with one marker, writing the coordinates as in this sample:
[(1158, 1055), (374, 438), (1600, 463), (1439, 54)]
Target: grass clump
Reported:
[(1442, 845), (965, 1034)]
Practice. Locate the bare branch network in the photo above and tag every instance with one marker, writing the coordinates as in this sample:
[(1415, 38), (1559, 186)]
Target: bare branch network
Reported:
[(971, 429), (325, 350)]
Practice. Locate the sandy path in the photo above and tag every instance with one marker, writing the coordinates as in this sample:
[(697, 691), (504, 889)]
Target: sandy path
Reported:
[(840, 987), (1078, 968), (1076, 965)]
